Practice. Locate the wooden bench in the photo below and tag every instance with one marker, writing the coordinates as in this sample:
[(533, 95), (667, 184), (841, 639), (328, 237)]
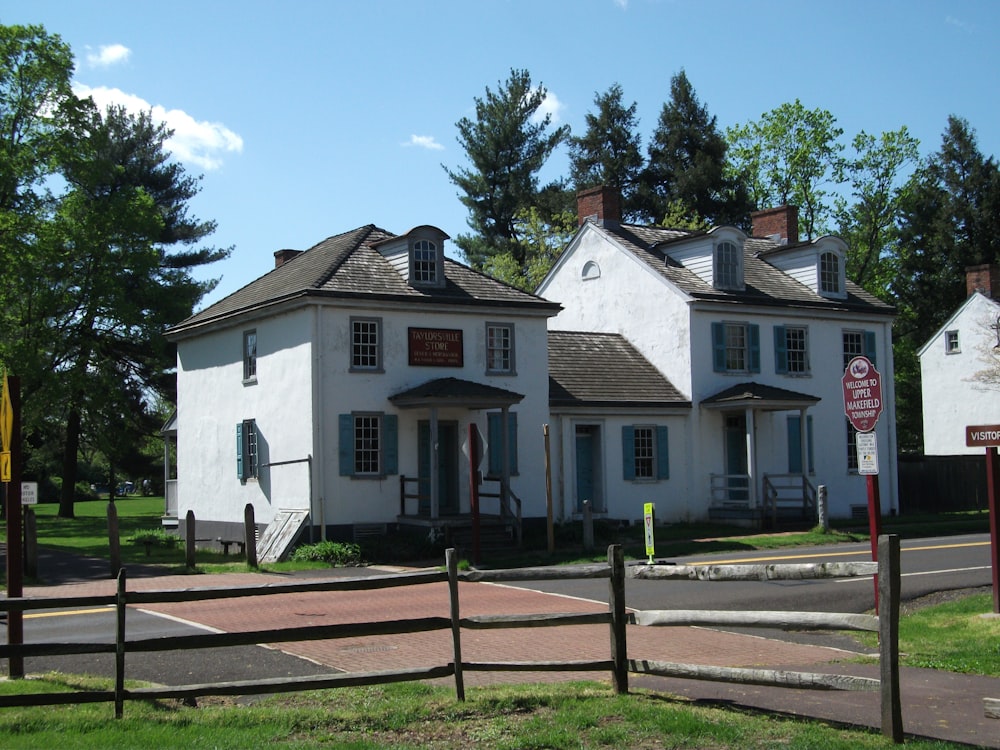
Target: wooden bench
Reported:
[(227, 543)]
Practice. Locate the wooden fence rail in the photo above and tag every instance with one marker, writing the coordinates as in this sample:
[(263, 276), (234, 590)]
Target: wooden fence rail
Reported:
[(616, 618)]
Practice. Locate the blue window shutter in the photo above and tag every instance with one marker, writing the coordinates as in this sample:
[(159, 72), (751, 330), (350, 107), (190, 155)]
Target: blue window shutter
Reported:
[(794, 445), (346, 445), (809, 442), (753, 345), (662, 453), (512, 436), (628, 452), (870, 346), (494, 436), (390, 443), (718, 347), (239, 450), (780, 351)]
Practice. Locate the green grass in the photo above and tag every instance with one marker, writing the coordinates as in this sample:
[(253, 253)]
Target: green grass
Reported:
[(416, 715)]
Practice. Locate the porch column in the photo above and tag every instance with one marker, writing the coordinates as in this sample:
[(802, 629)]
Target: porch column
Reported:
[(435, 479), (505, 456), (752, 457)]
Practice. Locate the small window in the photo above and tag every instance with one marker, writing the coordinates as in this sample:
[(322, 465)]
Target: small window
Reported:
[(858, 344), (727, 266), (645, 452), (368, 445), (499, 348), (247, 461), (736, 347), (829, 273), (425, 262), (250, 356), (366, 344), (791, 351), (951, 345)]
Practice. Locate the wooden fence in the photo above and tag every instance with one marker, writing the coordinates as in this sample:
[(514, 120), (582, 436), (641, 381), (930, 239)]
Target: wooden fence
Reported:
[(618, 664)]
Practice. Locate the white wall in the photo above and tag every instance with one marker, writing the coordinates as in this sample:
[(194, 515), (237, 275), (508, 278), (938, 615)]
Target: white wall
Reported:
[(953, 396)]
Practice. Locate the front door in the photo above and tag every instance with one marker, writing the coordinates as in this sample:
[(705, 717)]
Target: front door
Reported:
[(588, 484), (737, 480), (447, 467)]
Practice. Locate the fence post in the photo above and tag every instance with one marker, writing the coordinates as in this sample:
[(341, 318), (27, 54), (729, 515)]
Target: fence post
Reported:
[(451, 561), (250, 535), (120, 601), (588, 526), (888, 641), (616, 603), (822, 518), (189, 534), (114, 543)]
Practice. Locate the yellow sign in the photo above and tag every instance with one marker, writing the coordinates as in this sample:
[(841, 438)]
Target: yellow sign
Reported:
[(4, 466), (6, 418), (648, 510)]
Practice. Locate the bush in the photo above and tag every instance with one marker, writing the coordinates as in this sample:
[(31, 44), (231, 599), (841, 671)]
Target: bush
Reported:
[(334, 553), (155, 538)]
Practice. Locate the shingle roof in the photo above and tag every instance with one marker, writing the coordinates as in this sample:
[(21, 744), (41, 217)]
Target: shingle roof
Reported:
[(455, 392), (347, 266), (765, 284), (758, 393), (603, 369)]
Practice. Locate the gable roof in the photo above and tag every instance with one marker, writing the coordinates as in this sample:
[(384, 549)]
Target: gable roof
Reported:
[(765, 284), (347, 266), (604, 369), (953, 319), (759, 396)]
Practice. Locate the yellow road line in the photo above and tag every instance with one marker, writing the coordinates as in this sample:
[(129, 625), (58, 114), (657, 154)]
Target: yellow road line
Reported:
[(64, 613)]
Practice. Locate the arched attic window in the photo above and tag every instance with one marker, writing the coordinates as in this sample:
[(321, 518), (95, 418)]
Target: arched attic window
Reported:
[(830, 274), (728, 266)]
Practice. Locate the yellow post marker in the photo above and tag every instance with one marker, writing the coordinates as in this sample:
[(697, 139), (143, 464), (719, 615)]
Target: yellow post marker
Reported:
[(648, 510), (6, 427)]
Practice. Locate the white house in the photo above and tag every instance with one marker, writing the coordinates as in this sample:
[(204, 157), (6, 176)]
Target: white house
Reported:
[(960, 368), (752, 335), (340, 387)]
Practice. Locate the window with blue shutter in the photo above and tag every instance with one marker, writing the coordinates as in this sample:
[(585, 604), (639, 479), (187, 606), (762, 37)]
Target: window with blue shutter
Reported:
[(645, 452), (368, 445), (628, 452), (662, 453), (780, 351), (735, 347), (494, 436), (718, 347), (870, 347), (239, 451), (753, 344)]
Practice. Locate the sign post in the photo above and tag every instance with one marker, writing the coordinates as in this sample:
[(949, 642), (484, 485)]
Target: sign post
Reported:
[(10, 432), (988, 436), (863, 406)]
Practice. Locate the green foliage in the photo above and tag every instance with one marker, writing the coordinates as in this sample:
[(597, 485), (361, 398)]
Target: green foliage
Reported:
[(155, 538), (333, 553), (540, 241)]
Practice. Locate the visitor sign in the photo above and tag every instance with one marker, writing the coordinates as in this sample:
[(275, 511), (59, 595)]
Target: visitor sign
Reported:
[(862, 394), (982, 436)]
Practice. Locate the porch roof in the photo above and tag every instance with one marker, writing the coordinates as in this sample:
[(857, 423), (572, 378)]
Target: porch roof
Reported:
[(758, 396), (455, 392)]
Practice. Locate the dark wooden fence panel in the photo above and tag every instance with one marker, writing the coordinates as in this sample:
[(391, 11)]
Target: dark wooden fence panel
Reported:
[(935, 484)]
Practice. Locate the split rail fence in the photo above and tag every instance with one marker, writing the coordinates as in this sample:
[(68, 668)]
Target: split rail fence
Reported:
[(618, 665)]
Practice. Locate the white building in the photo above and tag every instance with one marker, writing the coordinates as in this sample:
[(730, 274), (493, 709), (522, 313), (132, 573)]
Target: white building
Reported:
[(340, 387), (960, 368), (752, 335)]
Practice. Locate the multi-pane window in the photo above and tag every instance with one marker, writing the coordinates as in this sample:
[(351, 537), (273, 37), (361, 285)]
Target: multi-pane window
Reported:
[(366, 344), (425, 262), (951, 345), (829, 273), (247, 461), (499, 347), (644, 452), (735, 347), (791, 351), (250, 355), (727, 266), (859, 344), (367, 444), (852, 448)]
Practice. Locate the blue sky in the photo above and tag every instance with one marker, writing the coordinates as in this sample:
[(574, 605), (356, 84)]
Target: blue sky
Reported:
[(308, 118)]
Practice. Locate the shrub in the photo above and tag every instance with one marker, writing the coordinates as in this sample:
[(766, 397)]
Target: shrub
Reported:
[(156, 538), (334, 553)]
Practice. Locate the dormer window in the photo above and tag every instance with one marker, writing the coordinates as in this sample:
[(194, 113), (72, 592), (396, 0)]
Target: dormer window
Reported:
[(425, 264), (728, 270), (830, 270)]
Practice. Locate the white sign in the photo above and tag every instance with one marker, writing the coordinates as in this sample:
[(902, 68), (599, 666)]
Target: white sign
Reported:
[(29, 493), (867, 453)]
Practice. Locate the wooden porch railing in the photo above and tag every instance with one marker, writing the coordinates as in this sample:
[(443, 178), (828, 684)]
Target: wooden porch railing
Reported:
[(789, 491)]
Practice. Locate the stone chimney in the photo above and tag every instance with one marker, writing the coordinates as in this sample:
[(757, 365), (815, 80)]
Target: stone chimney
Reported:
[(781, 222), (601, 203), (984, 279), (283, 256)]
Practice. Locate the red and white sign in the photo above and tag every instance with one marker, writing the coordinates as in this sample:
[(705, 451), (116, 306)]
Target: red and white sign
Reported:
[(982, 436), (862, 394)]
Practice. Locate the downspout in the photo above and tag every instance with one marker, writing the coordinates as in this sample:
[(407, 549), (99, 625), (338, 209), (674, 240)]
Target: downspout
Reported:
[(319, 427), (752, 456)]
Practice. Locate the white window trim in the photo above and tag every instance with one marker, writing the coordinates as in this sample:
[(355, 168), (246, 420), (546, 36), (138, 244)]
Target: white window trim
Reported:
[(947, 342), (249, 378), (352, 365), (512, 368), (738, 284)]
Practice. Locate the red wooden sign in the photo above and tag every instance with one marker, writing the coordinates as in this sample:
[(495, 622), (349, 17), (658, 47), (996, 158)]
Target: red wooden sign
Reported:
[(435, 347), (862, 394)]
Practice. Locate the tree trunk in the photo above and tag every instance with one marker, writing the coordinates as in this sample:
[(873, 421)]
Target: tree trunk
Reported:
[(70, 455)]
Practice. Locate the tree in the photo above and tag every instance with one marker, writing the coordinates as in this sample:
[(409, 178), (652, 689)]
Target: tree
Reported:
[(507, 145), (870, 224), (786, 158), (950, 220), (542, 241), (609, 152), (686, 171)]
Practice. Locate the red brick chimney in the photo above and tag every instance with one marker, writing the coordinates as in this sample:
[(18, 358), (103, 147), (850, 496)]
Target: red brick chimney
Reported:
[(984, 279), (601, 203), (782, 221), (283, 256)]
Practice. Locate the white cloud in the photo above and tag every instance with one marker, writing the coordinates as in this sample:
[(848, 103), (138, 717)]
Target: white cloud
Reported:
[(623, 4), (108, 55), (549, 106), (957, 22), (424, 141), (194, 142)]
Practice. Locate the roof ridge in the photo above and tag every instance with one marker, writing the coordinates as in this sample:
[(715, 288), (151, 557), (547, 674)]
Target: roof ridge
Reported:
[(338, 260)]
